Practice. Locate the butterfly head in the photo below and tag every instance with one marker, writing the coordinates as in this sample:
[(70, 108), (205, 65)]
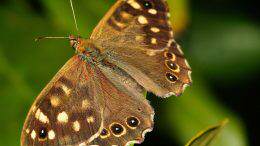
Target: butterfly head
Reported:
[(83, 47), (77, 43)]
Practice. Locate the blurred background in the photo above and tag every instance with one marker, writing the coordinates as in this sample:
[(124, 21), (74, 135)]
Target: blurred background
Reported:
[(221, 40)]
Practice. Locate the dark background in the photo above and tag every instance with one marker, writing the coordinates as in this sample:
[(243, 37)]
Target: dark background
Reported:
[(221, 40)]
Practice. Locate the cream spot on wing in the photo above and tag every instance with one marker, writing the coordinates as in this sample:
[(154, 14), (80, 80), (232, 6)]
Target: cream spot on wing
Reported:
[(41, 116), (90, 119), (51, 134), (152, 11), (66, 89), (34, 108), (134, 4), (63, 117), (76, 126), (142, 20), (27, 131), (154, 41), (55, 101), (85, 104), (155, 29), (33, 134), (126, 15), (83, 144), (37, 114)]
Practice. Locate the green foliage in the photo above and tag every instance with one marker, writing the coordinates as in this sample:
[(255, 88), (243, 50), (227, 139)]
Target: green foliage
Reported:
[(205, 138)]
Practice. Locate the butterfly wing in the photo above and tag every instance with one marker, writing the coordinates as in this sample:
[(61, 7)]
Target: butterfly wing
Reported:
[(137, 36), (135, 23), (126, 118), (60, 114), (78, 104)]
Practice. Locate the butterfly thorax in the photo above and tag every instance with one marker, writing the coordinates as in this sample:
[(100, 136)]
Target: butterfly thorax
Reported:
[(85, 48)]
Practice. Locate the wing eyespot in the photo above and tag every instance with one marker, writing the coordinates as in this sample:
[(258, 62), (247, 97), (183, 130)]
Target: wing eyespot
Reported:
[(117, 129), (104, 133), (132, 122), (42, 133), (147, 5), (170, 56), (172, 66), (171, 77)]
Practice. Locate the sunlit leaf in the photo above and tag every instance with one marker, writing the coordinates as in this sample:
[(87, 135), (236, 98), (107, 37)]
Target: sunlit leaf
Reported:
[(204, 138)]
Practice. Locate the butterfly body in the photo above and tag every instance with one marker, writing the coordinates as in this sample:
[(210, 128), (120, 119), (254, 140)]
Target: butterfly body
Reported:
[(97, 97)]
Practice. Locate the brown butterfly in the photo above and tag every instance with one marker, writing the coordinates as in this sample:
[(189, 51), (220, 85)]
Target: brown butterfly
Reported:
[(97, 98)]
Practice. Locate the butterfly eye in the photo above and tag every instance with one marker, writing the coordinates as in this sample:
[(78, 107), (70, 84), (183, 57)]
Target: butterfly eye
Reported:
[(147, 4), (117, 129), (42, 133), (76, 43), (73, 43), (132, 122), (171, 77)]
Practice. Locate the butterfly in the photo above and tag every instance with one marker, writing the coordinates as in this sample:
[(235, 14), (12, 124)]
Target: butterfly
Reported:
[(97, 97)]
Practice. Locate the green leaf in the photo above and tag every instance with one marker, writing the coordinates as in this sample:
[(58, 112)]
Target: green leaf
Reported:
[(204, 138)]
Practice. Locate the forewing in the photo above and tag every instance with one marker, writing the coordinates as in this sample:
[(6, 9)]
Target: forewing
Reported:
[(141, 23), (60, 114), (137, 36)]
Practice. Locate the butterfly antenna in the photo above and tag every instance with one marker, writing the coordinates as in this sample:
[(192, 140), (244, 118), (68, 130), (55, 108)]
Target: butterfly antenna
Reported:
[(74, 16), (44, 37)]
